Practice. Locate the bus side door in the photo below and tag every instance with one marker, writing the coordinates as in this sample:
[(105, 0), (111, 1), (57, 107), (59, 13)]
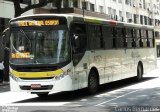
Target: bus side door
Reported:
[(80, 57)]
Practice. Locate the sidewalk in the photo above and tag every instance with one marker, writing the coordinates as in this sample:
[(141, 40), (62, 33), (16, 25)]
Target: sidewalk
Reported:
[(4, 87), (4, 83)]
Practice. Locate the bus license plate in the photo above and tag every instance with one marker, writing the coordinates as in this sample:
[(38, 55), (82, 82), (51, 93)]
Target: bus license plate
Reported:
[(33, 86)]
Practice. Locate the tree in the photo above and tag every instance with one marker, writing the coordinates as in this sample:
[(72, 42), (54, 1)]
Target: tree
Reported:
[(19, 10)]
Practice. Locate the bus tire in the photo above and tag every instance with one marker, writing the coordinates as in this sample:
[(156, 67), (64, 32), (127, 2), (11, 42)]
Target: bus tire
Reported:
[(93, 82), (42, 95), (139, 72)]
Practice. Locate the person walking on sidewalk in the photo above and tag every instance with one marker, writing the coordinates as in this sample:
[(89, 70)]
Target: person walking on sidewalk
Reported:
[(1, 71)]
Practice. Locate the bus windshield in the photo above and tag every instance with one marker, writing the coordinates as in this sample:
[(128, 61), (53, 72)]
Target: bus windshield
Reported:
[(39, 46)]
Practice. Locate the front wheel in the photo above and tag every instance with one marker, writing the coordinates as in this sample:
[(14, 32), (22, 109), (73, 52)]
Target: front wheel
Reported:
[(93, 82)]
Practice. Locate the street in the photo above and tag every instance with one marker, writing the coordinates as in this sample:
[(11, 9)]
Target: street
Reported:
[(122, 96)]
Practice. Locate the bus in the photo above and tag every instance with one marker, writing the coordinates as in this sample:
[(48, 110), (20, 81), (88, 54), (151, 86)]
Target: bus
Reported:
[(51, 53)]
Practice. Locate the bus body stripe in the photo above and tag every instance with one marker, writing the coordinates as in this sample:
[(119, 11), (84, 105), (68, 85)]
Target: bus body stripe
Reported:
[(36, 74)]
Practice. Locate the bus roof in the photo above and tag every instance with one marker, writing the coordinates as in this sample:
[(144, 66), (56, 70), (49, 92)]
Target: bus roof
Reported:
[(76, 17)]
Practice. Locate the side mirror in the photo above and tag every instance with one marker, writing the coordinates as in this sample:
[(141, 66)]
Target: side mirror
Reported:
[(75, 36), (74, 44)]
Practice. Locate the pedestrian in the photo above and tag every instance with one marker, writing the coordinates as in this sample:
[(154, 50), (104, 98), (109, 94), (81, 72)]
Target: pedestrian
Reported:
[(1, 72)]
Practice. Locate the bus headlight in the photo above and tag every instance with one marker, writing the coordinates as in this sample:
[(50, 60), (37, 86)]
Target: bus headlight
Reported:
[(14, 78), (62, 75)]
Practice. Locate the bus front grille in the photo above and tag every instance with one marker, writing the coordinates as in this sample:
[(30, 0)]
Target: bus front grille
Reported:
[(38, 78), (46, 87)]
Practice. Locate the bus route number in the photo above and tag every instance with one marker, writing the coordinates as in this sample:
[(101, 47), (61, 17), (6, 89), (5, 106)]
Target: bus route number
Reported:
[(38, 23)]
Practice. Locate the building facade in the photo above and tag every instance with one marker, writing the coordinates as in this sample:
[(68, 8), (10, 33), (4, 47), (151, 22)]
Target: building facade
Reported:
[(145, 12)]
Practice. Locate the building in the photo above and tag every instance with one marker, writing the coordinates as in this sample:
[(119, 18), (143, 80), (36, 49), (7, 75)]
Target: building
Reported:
[(145, 12), (133, 11)]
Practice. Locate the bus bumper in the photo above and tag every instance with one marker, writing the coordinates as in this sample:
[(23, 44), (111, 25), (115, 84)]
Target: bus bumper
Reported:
[(35, 86)]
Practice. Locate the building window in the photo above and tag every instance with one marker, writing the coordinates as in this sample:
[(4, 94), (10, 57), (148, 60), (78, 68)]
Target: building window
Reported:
[(120, 13), (119, 1), (65, 3), (114, 11), (135, 18), (141, 19), (145, 20), (134, 3), (75, 3), (129, 17), (144, 4), (101, 9), (128, 2), (140, 4), (92, 7), (84, 5), (109, 10)]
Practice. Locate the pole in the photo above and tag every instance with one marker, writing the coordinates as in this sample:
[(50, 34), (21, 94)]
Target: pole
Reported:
[(83, 7)]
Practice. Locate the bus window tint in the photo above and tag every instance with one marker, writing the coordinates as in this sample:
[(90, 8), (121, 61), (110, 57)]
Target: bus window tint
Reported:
[(140, 40), (114, 33), (150, 38), (134, 32), (119, 38), (144, 37), (95, 37), (129, 37), (79, 40), (107, 37), (99, 36)]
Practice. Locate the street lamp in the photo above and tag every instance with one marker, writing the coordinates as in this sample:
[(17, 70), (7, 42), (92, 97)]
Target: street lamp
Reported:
[(83, 7)]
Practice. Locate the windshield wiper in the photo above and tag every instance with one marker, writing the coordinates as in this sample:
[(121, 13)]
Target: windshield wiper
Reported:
[(25, 36)]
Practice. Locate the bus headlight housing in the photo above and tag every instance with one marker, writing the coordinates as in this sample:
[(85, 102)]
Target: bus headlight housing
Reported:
[(14, 78), (62, 75)]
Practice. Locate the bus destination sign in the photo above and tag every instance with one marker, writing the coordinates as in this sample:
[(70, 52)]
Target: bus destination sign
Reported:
[(27, 23)]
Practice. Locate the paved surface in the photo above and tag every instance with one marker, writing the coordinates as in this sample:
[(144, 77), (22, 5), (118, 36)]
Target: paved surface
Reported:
[(4, 87)]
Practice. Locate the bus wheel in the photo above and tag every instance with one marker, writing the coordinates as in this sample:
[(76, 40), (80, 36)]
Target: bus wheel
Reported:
[(42, 95), (139, 72), (93, 82)]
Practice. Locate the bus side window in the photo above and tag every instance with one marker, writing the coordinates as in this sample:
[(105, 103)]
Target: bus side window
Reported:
[(134, 31), (120, 37), (129, 37), (114, 34), (150, 38), (79, 39), (137, 38), (124, 37), (148, 43), (95, 37), (107, 37), (140, 40), (144, 38)]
